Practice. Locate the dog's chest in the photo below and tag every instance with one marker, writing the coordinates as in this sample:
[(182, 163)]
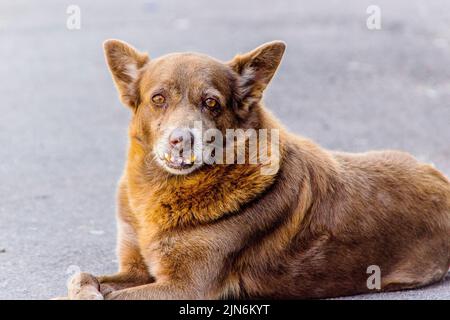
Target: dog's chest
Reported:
[(160, 254)]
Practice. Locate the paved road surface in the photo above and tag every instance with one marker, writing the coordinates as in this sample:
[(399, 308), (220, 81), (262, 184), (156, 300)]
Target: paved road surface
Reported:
[(62, 129)]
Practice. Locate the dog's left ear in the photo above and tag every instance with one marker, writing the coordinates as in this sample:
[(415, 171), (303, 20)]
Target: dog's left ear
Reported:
[(256, 68), (124, 62)]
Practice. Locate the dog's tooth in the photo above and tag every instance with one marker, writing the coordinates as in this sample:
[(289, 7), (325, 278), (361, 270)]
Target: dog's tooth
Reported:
[(172, 159), (193, 157), (166, 156)]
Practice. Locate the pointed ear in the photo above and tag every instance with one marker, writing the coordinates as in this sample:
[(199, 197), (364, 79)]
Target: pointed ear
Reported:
[(256, 68), (124, 62)]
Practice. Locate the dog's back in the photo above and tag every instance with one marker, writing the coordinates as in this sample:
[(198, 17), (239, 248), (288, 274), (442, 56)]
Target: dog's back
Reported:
[(353, 212)]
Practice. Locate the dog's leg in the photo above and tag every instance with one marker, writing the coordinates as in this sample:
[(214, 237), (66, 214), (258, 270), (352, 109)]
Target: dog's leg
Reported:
[(83, 286), (122, 280), (132, 268), (156, 291)]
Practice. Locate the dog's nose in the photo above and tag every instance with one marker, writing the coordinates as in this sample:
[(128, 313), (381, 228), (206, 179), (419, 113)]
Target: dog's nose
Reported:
[(181, 136)]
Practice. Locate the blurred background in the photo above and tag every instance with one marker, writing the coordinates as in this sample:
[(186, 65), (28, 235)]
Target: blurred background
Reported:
[(63, 130)]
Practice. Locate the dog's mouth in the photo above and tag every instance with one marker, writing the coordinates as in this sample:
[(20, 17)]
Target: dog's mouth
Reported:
[(178, 162)]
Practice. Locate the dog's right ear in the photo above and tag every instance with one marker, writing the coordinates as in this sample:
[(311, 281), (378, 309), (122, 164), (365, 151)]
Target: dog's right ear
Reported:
[(125, 62), (256, 68)]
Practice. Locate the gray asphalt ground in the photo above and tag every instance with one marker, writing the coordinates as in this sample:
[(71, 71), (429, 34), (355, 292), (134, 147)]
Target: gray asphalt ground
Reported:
[(63, 131)]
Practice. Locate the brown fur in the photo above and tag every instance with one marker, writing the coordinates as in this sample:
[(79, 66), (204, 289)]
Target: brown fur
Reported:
[(226, 231)]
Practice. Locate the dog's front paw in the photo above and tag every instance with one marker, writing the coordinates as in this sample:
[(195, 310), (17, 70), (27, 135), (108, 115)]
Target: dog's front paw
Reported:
[(84, 286)]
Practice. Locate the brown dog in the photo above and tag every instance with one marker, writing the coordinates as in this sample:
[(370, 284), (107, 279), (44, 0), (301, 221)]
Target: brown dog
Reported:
[(190, 229)]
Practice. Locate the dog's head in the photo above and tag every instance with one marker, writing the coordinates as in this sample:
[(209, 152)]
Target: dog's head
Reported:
[(179, 98)]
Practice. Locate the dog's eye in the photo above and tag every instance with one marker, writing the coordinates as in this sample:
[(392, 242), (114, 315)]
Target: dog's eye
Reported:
[(211, 103), (158, 99)]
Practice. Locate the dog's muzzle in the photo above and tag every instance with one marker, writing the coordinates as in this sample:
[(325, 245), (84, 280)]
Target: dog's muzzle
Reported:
[(179, 153)]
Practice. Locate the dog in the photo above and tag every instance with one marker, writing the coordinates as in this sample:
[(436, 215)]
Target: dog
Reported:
[(313, 227)]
